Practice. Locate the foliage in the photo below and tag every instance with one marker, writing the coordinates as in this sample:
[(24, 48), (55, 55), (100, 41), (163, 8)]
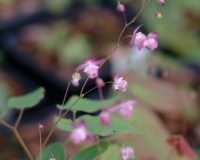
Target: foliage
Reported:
[(28, 100)]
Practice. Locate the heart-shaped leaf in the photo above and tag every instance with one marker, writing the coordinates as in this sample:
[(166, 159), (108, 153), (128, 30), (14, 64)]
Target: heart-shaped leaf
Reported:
[(55, 150), (28, 100), (89, 105), (92, 152), (95, 127)]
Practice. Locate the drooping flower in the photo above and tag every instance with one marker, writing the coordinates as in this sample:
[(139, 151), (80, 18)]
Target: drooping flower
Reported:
[(100, 83), (126, 108), (90, 67), (127, 153), (105, 118), (76, 78), (119, 84), (151, 41), (120, 7), (161, 2), (140, 40), (79, 133)]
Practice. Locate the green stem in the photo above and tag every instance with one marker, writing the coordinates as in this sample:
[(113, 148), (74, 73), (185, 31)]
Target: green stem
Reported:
[(19, 118)]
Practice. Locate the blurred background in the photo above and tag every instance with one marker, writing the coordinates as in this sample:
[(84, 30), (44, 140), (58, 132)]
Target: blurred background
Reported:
[(41, 41)]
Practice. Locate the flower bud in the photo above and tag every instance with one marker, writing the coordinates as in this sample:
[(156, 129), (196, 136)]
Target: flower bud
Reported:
[(120, 7), (105, 118)]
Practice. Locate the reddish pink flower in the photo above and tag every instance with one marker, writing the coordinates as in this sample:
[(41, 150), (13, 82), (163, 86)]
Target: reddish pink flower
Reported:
[(105, 118), (126, 109), (100, 83), (127, 153), (181, 146), (90, 67), (161, 2), (119, 84), (76, 78), (79, 133), (120, 7)]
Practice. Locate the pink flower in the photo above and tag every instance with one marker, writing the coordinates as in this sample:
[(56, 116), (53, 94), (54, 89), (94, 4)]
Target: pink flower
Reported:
[(105, 118), (151, 41), (127, 153), (100, 83), (120, 7), (79, 133), (119, 84), (76, 78), (161, 2), (126, 109), (90, 67), (141, 40)]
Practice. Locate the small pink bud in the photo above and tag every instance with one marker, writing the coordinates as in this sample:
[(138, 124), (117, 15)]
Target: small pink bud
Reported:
[(76, 78), (120, 7), (40, 126), (119, 84), (127, 153), (105, 118), (100, 83), (161, 2), (79, 133)]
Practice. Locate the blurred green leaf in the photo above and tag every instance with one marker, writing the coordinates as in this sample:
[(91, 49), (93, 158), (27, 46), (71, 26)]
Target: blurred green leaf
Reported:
[(89, 105), (76, 50), (55, 150), (56, 37), (58, 6), (95, 127), (92, 152), (28, 100), (5, 92)]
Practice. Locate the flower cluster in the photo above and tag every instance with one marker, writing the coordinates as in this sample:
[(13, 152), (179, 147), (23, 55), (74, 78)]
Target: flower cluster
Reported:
[(125, 109), (141, 40)]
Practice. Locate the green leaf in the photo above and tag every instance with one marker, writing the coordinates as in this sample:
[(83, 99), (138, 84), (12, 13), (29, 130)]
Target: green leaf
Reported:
[(89, 105), (5, 92), (92, 152), (28, 100), (56, 150), (95, 127)]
